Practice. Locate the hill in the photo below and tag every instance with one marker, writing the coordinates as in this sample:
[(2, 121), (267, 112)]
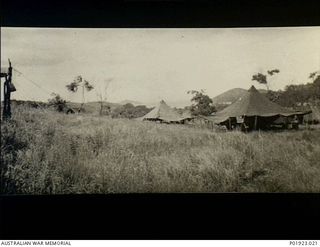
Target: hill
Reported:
[(229, 96), (135, 103)]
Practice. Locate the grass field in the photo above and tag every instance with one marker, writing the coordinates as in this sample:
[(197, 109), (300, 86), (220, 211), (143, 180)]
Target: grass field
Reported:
[(44, 152)]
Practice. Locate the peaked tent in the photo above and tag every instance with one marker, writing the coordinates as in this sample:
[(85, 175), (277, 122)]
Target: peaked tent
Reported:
[(253, 104), (163, 112)]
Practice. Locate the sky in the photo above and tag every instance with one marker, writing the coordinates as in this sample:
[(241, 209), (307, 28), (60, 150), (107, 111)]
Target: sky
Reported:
[(147, 65)]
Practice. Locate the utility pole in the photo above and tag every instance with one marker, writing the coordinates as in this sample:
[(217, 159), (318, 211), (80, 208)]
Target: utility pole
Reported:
[(82, 96), (8, 87)]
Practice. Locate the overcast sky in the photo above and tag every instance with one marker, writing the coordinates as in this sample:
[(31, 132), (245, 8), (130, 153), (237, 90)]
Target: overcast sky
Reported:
[(148, 65)]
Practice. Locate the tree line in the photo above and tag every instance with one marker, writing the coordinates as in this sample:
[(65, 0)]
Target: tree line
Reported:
[(296, 95), (201, 103)]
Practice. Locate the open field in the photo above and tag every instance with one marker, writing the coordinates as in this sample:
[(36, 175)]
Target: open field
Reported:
[(44, 152)]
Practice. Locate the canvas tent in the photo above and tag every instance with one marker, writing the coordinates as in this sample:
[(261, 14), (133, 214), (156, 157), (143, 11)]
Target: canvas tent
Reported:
[(314, 117), (255, 110), (186, 115), (164, 113)]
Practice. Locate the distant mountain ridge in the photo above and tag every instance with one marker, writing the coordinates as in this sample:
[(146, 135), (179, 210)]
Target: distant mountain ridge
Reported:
[(231, 96), (135, 103)]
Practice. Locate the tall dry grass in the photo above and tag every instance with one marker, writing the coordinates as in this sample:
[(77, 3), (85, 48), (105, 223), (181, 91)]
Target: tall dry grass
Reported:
[(43, 152)]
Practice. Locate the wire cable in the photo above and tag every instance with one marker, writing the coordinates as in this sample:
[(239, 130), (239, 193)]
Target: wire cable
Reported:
[(33, 82)]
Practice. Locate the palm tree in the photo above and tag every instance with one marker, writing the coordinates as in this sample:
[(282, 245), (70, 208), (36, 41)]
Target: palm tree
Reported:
[(262, 79), (79, 82)]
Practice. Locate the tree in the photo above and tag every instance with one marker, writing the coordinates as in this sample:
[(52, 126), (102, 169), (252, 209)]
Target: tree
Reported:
[(103, 95), (274, 96), (315, 76), (273, 71), (57, 102), (130, 111), (202, 103), (298, 94), (262, 79), (79, 82)]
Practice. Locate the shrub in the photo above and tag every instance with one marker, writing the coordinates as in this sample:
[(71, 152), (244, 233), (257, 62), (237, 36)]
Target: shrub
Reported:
[(57, 102)]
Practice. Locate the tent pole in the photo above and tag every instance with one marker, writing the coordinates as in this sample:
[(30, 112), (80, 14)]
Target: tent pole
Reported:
[(255, 122)]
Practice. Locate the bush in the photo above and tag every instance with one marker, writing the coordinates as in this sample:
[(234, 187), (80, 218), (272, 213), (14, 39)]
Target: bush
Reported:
[(203, 104), (57, 102), (130, 111)]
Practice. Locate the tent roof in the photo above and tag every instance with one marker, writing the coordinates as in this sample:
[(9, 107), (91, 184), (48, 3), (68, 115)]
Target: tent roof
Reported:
[(163, 112), (253, 103), (186, 114)]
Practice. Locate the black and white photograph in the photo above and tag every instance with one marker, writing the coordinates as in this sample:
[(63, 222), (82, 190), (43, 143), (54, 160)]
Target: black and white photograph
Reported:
[(160, 110)]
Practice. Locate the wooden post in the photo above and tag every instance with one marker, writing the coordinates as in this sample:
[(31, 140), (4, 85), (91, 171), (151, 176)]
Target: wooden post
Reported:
[(230, 127), (243, 125), (82, 99), (4, 113), (255, 122), (7, 92)]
